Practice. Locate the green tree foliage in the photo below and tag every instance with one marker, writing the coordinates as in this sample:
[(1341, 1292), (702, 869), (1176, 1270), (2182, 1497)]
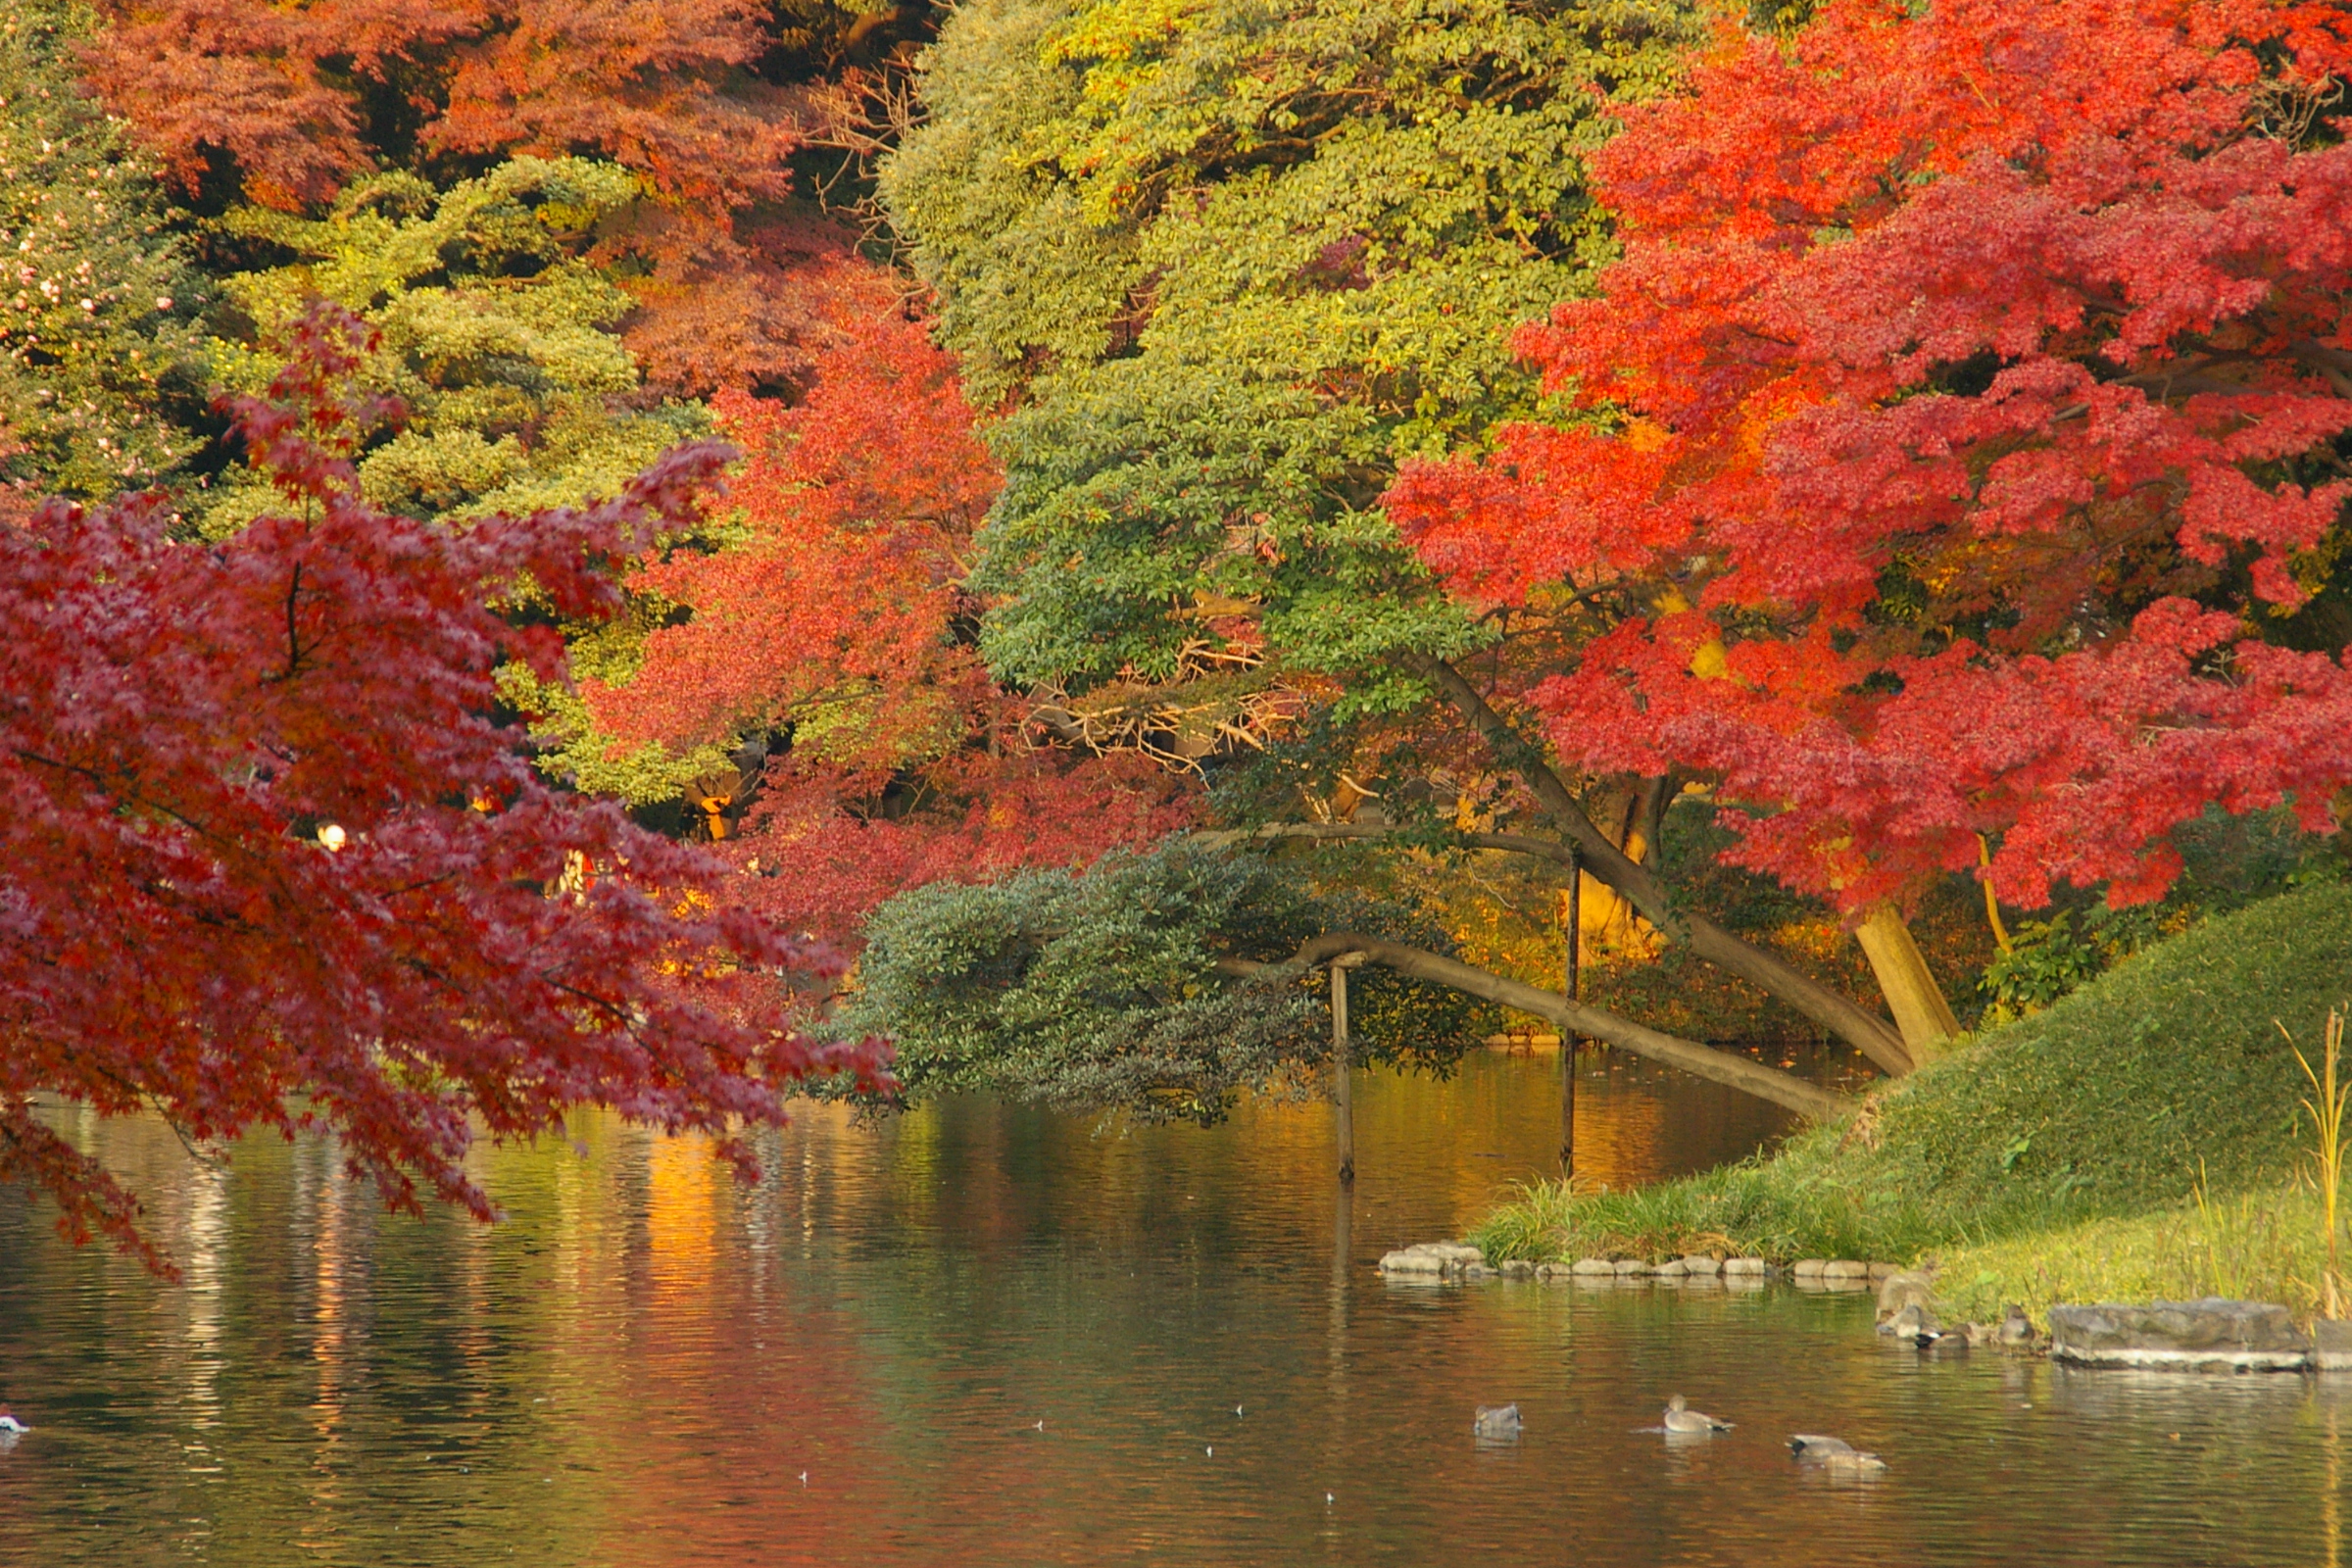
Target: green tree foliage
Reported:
[(1103, 988), (496, 332), (502, 337), (1229, 262), (98, 363)]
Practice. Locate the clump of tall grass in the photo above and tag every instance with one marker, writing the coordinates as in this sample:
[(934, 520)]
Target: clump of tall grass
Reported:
[(2262, 1245), (2326, 1113), (1756, 1208)]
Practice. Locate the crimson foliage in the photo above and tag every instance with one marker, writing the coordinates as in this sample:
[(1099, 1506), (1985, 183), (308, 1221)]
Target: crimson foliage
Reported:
[(184, 732)]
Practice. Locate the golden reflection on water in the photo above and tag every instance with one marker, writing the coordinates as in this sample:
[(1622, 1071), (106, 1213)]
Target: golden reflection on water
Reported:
[(849, 1361), (2332, 1490)]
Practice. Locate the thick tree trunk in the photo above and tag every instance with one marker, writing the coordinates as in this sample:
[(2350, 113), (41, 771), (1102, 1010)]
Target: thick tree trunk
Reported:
[(1807, 1100), (1607, 862), (1909, 985)]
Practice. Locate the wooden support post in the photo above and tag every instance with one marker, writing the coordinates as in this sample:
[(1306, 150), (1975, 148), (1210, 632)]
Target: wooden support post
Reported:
[(1574, 986), (1343, 1062)]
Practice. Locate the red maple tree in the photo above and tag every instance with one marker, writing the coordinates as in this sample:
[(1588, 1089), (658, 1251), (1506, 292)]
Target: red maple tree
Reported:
[(842, 619), (1956, 440), (276, 862)]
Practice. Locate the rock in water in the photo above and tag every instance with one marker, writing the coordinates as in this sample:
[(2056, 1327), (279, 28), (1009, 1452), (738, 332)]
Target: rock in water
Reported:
[(2212, 1335), (1496, 1421), (1909, 1288), (1431, 1257)]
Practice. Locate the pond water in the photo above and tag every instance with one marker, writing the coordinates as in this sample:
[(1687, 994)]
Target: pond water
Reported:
[(850, 1362)]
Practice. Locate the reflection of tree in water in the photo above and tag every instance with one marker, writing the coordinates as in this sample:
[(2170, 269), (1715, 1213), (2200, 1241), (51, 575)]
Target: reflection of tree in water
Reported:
[(639, 1363)]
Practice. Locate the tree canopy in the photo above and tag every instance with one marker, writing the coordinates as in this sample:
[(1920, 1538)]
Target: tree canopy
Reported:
[(1208, 483), (1228, 263), (1161, 983), (1960, 442), (498, 335), (278, 861)]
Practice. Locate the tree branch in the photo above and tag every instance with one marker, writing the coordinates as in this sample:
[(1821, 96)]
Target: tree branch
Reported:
[(1515, 843), (1608, 863)]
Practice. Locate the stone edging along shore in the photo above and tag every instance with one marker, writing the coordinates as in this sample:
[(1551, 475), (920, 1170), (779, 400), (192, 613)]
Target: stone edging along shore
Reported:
[(1460, 1260), (2213, 1335)]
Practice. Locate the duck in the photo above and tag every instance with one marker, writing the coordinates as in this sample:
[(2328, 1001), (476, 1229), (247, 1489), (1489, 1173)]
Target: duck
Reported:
[(1835, 1452), (1916, 1325), (11, 1425), (2017, 1329), (1680, 1417), (1496, 1421)]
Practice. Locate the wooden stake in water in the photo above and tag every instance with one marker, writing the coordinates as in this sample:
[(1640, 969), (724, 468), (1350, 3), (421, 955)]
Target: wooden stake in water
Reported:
[(1573, 985), (1341, 1061)]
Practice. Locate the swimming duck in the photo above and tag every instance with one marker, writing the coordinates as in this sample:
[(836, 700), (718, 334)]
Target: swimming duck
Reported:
[(1835, 1452), (1496, 1421), (1680, 1417), (11, 1425), (1915, 1325)]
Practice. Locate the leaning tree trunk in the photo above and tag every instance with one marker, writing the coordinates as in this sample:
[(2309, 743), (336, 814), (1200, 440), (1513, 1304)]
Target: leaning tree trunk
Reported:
[(1608, 863), (1908, 984), (1807, 1100)]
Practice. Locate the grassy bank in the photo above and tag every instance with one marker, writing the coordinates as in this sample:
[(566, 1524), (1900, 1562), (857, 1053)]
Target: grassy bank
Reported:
[(2057, 1158)]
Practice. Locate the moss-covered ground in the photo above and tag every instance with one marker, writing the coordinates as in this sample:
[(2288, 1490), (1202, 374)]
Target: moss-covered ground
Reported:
[(2138, 1140)]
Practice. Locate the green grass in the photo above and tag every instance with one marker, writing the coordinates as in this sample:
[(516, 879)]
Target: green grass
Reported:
[(2011, 1157), (2260, 1246)]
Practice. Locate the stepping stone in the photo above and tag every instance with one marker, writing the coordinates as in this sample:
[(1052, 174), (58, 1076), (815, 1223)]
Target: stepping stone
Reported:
[(2210, 1335)]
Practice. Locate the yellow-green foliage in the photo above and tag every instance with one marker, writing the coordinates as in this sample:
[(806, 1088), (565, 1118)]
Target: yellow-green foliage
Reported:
[(583, 754), (501, 337), (497, 333), (95, 299), (1232, 262)]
